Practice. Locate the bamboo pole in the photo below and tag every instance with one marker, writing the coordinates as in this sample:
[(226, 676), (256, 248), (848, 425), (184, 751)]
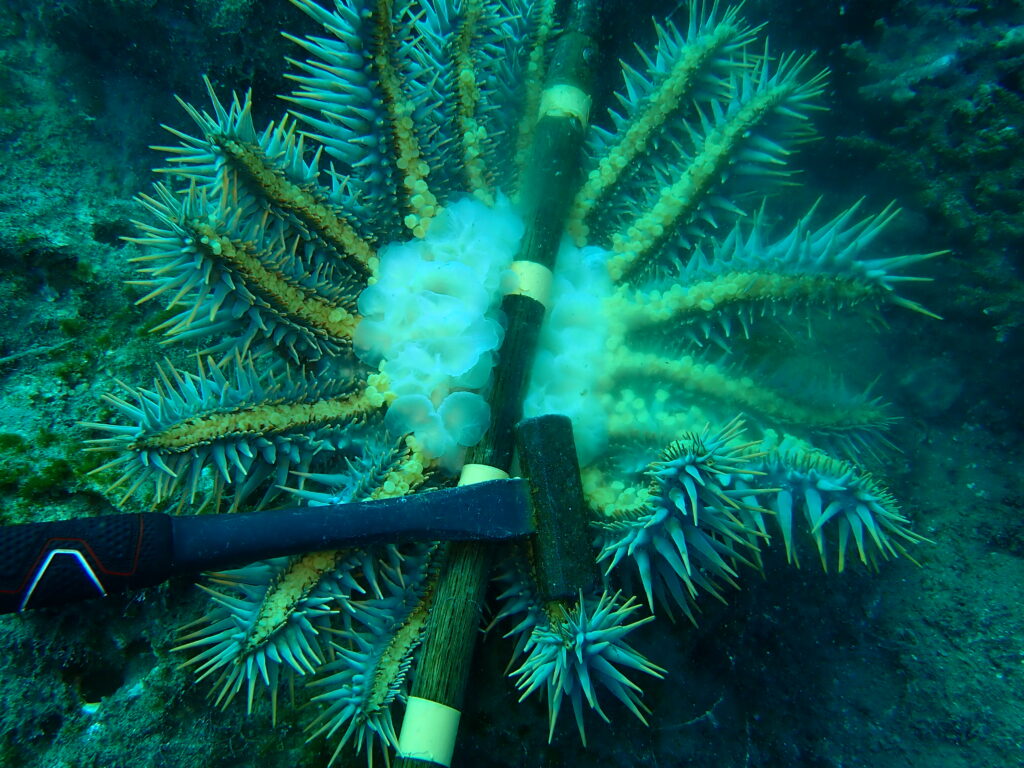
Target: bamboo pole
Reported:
[(431, 719)]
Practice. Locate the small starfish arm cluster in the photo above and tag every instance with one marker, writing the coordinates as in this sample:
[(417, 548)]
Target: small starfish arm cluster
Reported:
[(341, 270)]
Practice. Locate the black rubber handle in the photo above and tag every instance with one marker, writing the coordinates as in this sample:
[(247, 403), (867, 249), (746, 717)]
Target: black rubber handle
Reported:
[(47, 564), (44, 564), (493, 511)]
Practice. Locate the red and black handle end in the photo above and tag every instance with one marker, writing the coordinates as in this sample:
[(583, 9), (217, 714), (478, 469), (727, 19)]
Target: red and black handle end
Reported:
[(47, 564)]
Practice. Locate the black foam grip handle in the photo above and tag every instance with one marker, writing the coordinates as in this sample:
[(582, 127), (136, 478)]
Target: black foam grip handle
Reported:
[(44, 564)]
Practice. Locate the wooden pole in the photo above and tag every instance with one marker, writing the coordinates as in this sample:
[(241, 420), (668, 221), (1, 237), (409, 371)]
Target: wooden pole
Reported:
[(431, 719), (562, 559)]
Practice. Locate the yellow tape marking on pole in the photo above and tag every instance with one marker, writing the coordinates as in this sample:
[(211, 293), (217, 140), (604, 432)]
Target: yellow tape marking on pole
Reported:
[(428, 731), (480, 473), (565, 100), (533, 280)]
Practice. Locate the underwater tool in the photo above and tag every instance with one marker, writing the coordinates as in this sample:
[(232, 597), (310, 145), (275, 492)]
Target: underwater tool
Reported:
[(53, 563), (560, 565)]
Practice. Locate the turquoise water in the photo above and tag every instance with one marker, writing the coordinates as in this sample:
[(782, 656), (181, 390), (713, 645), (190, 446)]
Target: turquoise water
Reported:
[(912, 665)]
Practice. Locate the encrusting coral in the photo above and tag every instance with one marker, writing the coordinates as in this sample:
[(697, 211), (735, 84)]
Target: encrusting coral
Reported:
[(343, 267)]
